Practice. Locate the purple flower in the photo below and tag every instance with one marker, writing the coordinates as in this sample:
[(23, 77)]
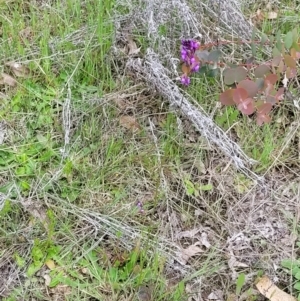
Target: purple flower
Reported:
[(140, 206), (194, 45), (184, 54), (186, 44), (188, 49), (196, 67), (185, 80)]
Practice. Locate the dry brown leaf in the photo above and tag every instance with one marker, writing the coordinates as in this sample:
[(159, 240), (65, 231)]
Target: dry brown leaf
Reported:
[(26, 34), (50, 264), (190, 251), (18, 69), (130, 123), (216, 295), (271, 291), (120, 103), (259, 15), (7, 80), (272, 15), (132, 47), (204, 240), (145, 293), (232, 297), (188, 234)]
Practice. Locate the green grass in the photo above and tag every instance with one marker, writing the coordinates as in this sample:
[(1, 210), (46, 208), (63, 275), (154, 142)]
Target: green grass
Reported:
[(53, 168)]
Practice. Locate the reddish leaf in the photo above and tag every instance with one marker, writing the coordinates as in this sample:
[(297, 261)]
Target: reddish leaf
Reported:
[(239, 95), (260, 82), (271, 79), (247, 106), (280, 94), (261, 71), (270, 94), (264, 108), (226, 97), (250, 86), (293, 52), (269, 89), (276, 61), (263, 118), (291, 72), (271, 99), (289, 61), (281, 68)]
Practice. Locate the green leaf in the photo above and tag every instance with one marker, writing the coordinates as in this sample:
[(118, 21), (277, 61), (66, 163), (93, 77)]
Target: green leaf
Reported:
[(240, 283), (291, 265), (253, 35), (207, 187), (6, 208), (56, 278), (33, 268), (295, 34), (253, 49), (288, 40), (263, 39), (214, 56), (297, 286), (297, 275), (19, 260), (189, 186), (276, 52)]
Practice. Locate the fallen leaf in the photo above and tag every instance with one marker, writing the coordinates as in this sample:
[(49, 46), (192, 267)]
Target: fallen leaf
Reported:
[(216, 295), (189, 252), (188, 234), (26, 34), (18, 69), (232, 297), (271, 291), (145, 293), (7, 80), (84, 271), (204, 240), (129, 123), (132, 48), (272, 15), (50, 264), (120, 103), (259, 15), (47, 279)]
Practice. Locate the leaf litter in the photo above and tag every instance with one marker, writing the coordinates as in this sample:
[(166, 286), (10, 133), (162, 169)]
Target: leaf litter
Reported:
[(8, 80), (19, 70)]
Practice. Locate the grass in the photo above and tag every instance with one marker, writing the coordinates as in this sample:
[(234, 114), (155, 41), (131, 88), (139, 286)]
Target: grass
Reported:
[(63, 154), (72, 172)]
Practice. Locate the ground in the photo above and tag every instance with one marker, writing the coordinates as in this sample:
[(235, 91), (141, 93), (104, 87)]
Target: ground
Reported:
[(109, 190)]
